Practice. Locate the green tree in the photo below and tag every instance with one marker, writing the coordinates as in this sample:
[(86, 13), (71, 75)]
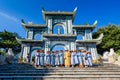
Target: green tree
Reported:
[(111, 38), (8, 40)]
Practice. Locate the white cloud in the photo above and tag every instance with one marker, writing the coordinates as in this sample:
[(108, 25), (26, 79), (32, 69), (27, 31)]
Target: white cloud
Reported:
[(9, 17)]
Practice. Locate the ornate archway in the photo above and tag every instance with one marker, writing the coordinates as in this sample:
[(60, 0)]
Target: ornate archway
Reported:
[(58, 28), (63, 47), (33, 52), (67, 40)]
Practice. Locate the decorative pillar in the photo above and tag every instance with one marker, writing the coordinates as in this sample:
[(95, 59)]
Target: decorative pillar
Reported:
[(84, 35), (69, 26), (73, 46), (22, 49), (59, 31), (65, 28), (30, 34), (88, 34), (92, 48), (26, 50), (47, 46), (49, 25), (67, 45), (74, 32)]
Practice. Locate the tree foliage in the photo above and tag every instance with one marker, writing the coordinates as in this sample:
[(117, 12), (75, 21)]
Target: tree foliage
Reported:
[(111, 38), (7, 40)]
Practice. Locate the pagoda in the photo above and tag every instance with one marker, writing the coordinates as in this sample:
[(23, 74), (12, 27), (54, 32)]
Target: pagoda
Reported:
[(66, 35)]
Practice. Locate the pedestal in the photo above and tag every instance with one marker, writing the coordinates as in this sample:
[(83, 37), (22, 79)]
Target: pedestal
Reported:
[(111, 59)]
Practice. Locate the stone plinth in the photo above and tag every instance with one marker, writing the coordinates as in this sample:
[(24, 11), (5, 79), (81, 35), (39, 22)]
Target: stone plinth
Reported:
[(111, 59), (2, 59), (119, 59), (9, 59)]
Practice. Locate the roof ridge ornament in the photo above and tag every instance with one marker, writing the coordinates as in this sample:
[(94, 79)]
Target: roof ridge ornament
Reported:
[(95, 23), (30, 22), (75, 9), (100, 36), (22, 21), (43, 10), (99, 39)]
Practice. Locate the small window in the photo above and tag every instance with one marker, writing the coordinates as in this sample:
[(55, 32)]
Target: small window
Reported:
[(58, 30), (37, 37), (79, 37)]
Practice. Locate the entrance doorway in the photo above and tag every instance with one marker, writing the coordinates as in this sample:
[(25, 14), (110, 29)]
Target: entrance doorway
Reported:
[(58, 47)]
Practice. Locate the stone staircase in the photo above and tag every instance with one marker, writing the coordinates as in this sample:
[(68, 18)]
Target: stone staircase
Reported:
[(29, 72)]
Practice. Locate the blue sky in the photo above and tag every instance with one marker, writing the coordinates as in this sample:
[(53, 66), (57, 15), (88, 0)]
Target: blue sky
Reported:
[(12, 11)]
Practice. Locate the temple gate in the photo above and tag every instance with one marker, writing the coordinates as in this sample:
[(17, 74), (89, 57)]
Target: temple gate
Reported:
[(65, 35)]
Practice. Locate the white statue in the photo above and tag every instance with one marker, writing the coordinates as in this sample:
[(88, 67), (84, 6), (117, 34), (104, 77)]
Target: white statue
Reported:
[(59, 30), (9, 56), (10, 52), (105, 55), (111, 56), (112, 53)]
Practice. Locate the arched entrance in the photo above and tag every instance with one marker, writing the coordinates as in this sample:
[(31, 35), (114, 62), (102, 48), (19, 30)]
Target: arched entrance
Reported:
[(33, 52), (33, 56), (58, 28), (37, 37), (58, 47)]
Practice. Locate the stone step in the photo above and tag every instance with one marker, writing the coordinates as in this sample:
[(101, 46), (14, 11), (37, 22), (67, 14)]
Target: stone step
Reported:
[(28, 68), (65, 68), (29, 65), (71, 72), (63, 75), (60, 69), (80, 70), (19, 66), (59, 73), (29, 72), (32, 67), (75, 77)]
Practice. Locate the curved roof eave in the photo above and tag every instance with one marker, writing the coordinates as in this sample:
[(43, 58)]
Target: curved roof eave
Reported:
[(27, 40), (85, 26), (32, 25), (97, 41), (44, 13)]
